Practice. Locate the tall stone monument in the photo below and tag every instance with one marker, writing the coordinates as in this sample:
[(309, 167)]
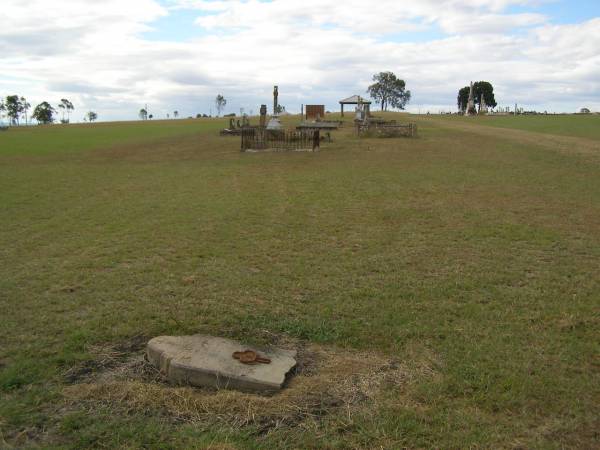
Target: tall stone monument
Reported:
[(471, 111), (274, 123), (483, 109)]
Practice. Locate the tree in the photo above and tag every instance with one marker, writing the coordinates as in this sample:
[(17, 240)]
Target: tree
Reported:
[(220, 103), (480, 87), (175, 114), (66, 106), (280, 109), (44, 113), (91, 116), (143, 114), (2, 109), (388, 90), (150, 117), (463, 98), (14, 108), (485, 88), (25, 105)]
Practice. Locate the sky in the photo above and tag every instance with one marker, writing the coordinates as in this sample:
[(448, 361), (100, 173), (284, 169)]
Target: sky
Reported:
[(114, 56)]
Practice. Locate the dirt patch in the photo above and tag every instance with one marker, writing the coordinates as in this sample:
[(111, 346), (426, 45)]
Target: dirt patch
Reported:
[(326, 382), (125, 358)]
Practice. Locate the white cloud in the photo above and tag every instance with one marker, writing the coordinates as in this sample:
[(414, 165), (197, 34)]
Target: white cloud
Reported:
[(95, 53)]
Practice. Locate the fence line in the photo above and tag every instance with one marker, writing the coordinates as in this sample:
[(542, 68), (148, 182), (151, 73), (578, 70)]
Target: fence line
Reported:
[(261, 139), (389, 129)]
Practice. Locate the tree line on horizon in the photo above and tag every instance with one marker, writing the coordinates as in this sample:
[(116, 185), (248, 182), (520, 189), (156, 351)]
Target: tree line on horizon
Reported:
[(387, 90), (16, 107)]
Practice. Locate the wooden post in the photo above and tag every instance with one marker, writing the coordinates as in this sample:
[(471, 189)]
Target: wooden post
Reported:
[(342, 109), (316, 140)]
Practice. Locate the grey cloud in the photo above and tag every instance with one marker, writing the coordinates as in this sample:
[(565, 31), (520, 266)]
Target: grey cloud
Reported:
[(84, 88)]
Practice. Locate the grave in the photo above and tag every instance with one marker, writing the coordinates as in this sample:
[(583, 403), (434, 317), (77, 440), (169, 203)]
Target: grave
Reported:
[(483, 108), (263, 116), (235, 126), (314, 112), (206, 361), (356, 100), (471, 111), (376, 127), (254, 140), (274, 123)]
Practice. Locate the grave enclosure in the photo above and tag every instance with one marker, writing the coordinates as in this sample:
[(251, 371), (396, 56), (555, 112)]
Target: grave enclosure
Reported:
[(386, 129), (256, 139)]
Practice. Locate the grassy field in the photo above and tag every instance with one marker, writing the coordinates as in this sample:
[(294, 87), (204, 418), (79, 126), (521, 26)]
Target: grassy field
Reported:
[(442, 291), (587, 126)]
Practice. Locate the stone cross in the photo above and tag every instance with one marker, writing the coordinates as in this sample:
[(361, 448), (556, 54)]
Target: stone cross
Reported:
[(275, 98)]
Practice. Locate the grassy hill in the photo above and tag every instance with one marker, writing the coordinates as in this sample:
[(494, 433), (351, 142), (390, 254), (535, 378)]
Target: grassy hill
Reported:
[(442, 291)]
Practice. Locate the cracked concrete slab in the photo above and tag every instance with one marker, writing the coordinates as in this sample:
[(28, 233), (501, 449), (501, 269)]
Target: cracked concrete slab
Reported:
[(207, 361)]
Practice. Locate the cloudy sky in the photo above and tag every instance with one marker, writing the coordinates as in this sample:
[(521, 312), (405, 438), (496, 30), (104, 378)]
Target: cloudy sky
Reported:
[(115, 56)]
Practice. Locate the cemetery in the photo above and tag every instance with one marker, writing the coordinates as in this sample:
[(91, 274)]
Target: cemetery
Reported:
[(271, 135), (282, 277), (278, 293), (278, 225)]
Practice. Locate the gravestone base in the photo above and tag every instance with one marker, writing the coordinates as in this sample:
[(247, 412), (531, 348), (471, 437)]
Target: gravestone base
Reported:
[(206, 361), (274, 124)]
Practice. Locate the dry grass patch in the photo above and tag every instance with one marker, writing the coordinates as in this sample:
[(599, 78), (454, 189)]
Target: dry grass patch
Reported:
[(565, 144), (327, 383)]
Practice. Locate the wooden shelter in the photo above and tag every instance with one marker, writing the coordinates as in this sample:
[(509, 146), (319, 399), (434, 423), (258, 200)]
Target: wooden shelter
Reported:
[(354, 100)]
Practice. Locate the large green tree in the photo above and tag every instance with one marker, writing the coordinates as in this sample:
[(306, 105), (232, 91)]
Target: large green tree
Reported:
[(480, 87), (44, 113), (388, 90), (14, 108), (143, 114), (485, 88), (463, 98)]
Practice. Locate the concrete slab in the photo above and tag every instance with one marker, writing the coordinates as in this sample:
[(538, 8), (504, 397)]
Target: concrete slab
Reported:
[(207, 361)]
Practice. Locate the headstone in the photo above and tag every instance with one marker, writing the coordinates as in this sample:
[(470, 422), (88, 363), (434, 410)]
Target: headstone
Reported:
[(274, 123), (206, 361), (263, 116), (361, 111), (483, 109), (471, 111)]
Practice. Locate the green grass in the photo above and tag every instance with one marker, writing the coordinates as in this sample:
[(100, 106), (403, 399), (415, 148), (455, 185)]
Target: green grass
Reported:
[(50, 140), (586, 126), (483, 257)]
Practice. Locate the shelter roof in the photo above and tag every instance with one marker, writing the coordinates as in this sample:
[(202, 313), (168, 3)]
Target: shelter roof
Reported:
[(355, 100)]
